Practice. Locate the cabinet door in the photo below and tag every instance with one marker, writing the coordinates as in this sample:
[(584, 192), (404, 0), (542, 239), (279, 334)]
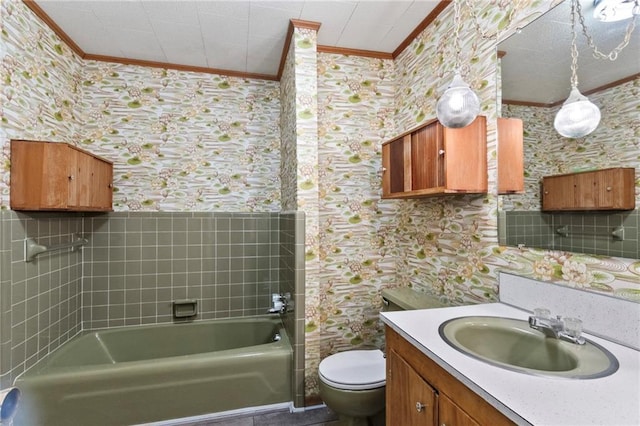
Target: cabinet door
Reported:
[(102, 194), (411, 401), (558, 192), (608, 189), (396, 159), (80, 179), (465, 154), (452, 415), (427, 158), (39, 175), (510, 156)]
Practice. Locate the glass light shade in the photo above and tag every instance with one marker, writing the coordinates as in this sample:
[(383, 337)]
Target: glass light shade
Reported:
[(458, 106), (578, 116)]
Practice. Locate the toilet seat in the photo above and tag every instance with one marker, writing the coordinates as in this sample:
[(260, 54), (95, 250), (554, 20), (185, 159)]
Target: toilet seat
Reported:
[(354, 370)]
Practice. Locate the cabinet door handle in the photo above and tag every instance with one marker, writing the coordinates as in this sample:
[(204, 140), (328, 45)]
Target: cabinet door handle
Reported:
[(441, 152), (420, 406), (384, 169), (70, 177), (609, 188)]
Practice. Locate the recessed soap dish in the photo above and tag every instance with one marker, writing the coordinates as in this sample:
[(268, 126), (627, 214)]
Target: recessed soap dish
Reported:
[(185, 308)]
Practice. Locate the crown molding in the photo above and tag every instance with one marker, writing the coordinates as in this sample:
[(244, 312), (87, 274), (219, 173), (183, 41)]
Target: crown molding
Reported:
[(178, 67)]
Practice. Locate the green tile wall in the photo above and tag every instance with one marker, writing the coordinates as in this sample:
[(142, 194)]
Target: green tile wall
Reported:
[(587, 232), (40, 299), (137, 263)]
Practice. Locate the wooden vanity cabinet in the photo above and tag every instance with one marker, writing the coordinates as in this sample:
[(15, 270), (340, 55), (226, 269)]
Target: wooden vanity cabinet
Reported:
[(434, 160), (410, 399), (606, 189), (414, 382), (510, 156), (49, 176)]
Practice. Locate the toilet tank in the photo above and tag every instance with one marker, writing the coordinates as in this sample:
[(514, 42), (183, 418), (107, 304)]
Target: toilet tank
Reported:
[(406, 298)]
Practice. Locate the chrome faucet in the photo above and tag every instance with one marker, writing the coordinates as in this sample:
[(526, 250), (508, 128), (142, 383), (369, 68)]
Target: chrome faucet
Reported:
[(280, 304), (550, 327), (556, 328)]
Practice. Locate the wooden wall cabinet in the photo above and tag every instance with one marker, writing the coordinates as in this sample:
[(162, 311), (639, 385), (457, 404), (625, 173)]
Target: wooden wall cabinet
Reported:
[(434, 160), (606, 189), (57, 176), (421, 393), (510, 156)]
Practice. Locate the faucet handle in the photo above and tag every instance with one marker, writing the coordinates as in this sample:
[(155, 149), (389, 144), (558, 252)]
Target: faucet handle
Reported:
[(542, 313), (573, 327)]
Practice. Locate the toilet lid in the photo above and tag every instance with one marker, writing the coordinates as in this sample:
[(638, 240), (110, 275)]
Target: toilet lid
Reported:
[(354, 370)]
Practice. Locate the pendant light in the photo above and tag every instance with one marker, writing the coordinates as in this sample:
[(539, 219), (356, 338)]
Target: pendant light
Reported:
[(458, 106), (578, 116)]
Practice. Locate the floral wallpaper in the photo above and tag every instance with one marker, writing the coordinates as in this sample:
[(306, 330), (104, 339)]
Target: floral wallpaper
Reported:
[(356, 107), (183, 141), (288, 152)]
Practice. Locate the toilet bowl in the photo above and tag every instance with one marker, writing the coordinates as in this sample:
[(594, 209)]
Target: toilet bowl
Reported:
[(352, 383)]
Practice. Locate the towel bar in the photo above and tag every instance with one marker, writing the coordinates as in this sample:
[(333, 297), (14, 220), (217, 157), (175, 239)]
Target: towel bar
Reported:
[(32, 249)]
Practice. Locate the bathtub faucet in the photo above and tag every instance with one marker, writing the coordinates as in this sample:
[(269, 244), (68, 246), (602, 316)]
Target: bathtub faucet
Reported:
[(280, 304)]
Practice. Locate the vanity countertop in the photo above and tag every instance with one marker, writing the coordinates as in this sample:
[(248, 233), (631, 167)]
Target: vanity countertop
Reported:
[(612, 400)]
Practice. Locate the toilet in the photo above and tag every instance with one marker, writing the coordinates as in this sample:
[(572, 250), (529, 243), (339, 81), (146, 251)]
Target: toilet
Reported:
[(352, 383)]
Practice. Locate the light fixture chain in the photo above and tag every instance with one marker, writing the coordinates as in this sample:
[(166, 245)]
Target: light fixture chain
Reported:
[(456, 32), (574, 46), (613, 55)]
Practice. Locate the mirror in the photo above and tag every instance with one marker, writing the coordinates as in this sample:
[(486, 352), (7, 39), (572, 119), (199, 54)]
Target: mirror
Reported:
[(535, 81)]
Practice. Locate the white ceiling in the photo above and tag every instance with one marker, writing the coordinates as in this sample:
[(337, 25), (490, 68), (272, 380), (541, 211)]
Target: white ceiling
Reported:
[(537, 66), (234, 35), (248, 36)]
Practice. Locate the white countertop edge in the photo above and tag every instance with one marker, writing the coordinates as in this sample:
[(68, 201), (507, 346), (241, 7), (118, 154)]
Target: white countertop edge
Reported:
[(461, 377)]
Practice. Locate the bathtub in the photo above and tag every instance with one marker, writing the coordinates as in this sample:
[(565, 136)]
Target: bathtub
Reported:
[(132, 375)]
